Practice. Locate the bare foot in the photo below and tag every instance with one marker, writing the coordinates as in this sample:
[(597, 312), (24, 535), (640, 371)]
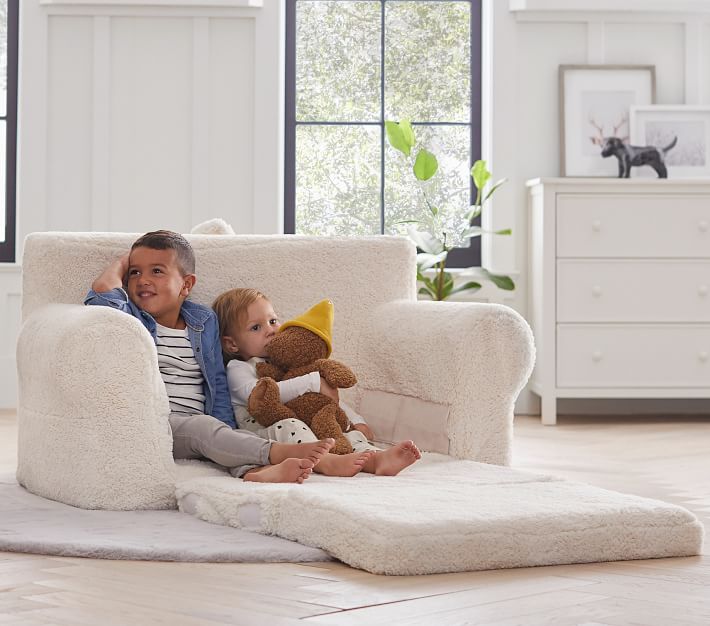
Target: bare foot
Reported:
[(392, 461), (288, 471), (343, 464), (313, 451)]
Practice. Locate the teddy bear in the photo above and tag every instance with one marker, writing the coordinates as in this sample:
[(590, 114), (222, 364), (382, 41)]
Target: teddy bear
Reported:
[(301, 346)]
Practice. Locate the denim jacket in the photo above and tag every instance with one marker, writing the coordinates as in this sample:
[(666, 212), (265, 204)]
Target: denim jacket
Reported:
[(203, 331)]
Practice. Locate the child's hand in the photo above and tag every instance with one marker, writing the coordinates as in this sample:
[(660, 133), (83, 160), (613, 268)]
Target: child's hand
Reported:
[(327, 390), (113, 276), (121, 265), (365, 430)]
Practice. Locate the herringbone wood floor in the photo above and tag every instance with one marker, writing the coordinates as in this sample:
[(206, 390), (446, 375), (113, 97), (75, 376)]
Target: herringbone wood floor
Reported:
[(665, 458)]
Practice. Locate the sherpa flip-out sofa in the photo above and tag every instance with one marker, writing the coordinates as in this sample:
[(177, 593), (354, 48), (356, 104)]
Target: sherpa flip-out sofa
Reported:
[(92, 411), (93, 427)]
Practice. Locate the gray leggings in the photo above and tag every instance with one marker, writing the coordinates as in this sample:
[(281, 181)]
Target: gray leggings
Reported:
[(206, 437)]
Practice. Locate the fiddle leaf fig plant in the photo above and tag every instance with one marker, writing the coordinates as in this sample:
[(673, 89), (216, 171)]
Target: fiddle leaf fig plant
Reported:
[(431, 236)]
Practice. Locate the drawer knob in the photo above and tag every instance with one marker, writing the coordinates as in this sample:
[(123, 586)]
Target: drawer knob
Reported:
[(702, 356), (702, 226), (597, 226), (596, 291), (703, 290), (597, 356)]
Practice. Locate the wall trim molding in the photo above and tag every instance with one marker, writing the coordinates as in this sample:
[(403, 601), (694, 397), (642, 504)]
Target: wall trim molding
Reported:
[(615, 6), (174, 8), (100, 175), (257, 4)]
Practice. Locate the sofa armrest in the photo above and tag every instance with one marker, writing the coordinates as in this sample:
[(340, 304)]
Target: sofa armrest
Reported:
[(474, 358), (92, 411)]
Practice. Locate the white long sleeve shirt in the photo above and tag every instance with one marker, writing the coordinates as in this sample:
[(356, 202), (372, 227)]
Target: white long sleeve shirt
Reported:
[(242, 378)]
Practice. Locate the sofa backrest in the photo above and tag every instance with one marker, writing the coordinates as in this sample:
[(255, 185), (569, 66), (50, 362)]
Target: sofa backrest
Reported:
[(357, 274)]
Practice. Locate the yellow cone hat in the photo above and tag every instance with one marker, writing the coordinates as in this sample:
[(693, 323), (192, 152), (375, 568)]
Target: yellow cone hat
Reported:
[(318, 319)]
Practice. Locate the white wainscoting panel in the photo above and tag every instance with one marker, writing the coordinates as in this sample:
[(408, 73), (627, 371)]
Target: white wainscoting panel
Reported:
[(10, 314), (662, 45), (537, 72), (140, 115), (151, 121), (230, 109), (69, 136)]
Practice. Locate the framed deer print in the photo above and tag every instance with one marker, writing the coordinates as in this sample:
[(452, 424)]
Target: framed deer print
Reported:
[(595, 101)]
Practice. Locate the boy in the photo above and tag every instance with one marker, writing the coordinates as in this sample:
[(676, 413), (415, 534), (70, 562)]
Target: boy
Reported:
[(158, 274)]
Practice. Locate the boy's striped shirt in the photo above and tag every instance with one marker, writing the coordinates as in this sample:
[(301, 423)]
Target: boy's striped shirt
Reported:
[(180, 370)]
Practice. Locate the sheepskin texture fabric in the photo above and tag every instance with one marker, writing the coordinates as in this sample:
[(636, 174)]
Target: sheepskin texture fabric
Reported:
[(215, 226), (31, 524), (92, 410), (443, 515)]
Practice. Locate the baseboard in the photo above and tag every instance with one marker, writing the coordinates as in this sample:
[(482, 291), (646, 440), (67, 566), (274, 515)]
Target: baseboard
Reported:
[(529, 404), (8, 383)]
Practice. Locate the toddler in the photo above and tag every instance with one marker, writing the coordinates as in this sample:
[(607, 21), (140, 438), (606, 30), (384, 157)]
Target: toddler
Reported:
[(247, 323)]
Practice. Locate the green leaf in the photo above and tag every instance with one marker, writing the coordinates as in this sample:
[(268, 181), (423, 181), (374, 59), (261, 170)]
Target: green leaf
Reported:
[(426, 242), (429, 284), (396, 137), (423, 291), (480, 174), (468, 286), (434, 211), (407, 132), (499, 280), (492, 189), (472, 231), (477, 231), (424, 279), (473, 213), (407, 222), (426, 260), (425, 165), (447, 286)]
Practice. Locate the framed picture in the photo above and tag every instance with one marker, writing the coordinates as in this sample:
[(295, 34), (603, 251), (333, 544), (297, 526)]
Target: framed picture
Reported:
[(595, 102), (681, 133)]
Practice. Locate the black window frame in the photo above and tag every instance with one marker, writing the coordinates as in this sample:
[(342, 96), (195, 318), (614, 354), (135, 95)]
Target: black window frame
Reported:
[(459, 257), (8, 246)]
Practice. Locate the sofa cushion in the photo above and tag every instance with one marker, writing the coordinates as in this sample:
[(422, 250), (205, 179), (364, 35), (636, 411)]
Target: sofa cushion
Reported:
[(442, 515)]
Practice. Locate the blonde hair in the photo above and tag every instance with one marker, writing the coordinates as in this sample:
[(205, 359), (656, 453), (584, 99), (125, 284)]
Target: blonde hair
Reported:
[(231, 308)]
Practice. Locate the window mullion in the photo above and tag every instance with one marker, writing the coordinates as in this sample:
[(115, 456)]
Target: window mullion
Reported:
[(382, 117)]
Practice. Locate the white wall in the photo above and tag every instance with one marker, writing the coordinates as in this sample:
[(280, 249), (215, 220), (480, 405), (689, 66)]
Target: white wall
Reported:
[(526, 49), (136, 116)]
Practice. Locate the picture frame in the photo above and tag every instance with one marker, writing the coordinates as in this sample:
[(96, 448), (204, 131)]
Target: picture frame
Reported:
[(595, 102), (658, 125)]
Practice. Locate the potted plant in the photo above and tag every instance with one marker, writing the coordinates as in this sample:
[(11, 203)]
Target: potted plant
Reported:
[(432, 238)]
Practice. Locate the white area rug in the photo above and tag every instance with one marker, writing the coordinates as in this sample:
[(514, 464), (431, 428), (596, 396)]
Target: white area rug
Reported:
[(32, 524), (442, 515)]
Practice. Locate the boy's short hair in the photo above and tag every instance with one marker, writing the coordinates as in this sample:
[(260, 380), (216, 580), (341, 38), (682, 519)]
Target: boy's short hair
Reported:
[(168, 240)]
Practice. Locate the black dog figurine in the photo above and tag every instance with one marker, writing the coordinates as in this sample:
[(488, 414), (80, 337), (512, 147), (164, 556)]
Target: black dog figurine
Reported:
[(630, 156)]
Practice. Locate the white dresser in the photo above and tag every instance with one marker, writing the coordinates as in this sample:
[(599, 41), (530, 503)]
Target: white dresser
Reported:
[(619, 289)]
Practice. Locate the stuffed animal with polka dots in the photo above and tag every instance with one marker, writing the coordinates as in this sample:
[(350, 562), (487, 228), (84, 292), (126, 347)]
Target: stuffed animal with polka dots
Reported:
[(303, 345)]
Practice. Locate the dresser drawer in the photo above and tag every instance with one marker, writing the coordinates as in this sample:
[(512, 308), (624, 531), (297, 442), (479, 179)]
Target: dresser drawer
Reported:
[(633, 225), (633, 355), (633, 291)]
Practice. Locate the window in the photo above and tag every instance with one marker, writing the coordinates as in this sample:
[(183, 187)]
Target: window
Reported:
[(351, 65), (8, 125)]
